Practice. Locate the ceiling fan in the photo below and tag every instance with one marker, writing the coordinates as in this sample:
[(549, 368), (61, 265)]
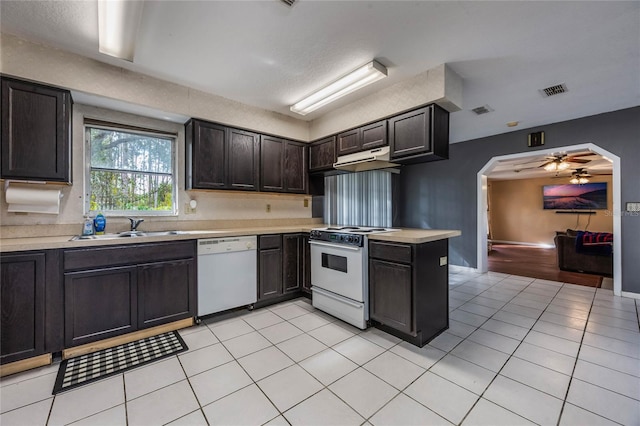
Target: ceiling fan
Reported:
[(580, 176), (563, 162), (555, 163)]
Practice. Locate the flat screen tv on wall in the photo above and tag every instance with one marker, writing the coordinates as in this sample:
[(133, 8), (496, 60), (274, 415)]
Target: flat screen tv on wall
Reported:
[(588, 196)]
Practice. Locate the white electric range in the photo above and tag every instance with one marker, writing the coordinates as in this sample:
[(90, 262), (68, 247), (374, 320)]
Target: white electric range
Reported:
[(340, 271)]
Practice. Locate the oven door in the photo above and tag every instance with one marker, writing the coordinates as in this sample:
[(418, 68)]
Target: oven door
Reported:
[(338, 268)]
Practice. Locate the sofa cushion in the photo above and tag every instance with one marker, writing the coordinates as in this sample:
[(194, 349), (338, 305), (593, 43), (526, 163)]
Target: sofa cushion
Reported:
[(571, 233)]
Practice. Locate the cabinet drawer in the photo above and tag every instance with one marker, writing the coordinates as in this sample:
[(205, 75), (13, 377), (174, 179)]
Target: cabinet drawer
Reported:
[(394, 252), (97, 257), (270, 241)]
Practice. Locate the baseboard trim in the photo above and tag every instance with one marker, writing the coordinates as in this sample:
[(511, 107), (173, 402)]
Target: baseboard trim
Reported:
[(25, 364), (630, 295), (456, 269), (522, 243), (120, 340)]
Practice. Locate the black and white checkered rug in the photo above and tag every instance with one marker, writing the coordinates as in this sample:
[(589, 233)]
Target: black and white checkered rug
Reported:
[(88, 368)]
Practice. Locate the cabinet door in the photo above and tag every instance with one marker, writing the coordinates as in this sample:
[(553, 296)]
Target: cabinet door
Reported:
[(349, 142), (22, 287), (206, 155), (306, 263), (322, 154), (270, 273), (99, 304), (291, 262), (390, 295), (295, 167), (271, 164), (374, 135), (36, 132), (409, 134), (166, 292), (244, 160)]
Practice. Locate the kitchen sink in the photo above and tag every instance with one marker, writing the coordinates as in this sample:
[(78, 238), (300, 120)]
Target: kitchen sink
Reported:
[(126, 234)]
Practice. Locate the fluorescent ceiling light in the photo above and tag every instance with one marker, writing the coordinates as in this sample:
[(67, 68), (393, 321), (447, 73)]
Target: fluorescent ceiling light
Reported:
[(118, 22), (351, 82)]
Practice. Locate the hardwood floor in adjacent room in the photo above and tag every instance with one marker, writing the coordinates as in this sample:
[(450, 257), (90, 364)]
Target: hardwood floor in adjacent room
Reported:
[(536, 262)]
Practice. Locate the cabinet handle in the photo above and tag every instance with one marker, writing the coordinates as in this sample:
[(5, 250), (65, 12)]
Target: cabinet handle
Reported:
[(337, 246), (339, 299)]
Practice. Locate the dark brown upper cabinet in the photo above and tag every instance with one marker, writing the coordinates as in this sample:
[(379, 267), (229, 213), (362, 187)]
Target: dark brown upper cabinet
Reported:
[(419, 136), (322, 154), (244, 160), (36, 132), (220, 157), (283, 165), (363, 138), (295, 167)]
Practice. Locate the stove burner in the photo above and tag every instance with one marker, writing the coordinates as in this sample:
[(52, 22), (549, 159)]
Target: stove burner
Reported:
[(342, 228), (372, 230)]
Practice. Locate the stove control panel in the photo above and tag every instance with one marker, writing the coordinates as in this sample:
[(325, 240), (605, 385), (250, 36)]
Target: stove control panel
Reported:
[(337, 237)]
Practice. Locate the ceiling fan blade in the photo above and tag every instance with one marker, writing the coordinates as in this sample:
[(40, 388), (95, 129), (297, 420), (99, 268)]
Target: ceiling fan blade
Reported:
[(577, 160), (587, 154)]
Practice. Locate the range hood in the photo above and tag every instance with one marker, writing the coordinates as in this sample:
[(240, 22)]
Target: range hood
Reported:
[(366, 160)]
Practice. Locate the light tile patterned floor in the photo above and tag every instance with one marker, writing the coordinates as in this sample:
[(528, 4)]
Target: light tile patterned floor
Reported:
[(518, 351)]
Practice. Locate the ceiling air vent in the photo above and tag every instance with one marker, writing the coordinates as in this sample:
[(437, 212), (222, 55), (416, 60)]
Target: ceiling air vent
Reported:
[(554, 90), (482, 109), (288, 2)]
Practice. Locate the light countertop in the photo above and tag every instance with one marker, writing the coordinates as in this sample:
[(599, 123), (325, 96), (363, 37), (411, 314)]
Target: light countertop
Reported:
[(411, 236)]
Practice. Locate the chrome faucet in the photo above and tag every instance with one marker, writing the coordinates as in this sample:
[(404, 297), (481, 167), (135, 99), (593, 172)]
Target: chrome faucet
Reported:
[(135, 223)]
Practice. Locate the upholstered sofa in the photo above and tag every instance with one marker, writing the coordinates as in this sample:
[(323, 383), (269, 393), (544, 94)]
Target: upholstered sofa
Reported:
[(570, 260)]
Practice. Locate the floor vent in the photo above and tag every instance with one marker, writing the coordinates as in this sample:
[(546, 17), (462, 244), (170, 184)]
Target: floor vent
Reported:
[(554, 90), (482, 109)]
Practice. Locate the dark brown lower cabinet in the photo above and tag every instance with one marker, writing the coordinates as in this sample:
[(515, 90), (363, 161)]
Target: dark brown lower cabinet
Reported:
[(391, 295), (99, 304), (283, 265), (291, 265), (22, 295), (165, 292), (269, 266), (114, 290), (306, 264), (409, 289)]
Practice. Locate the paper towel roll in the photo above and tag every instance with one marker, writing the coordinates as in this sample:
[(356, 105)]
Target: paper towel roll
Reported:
[(33, 200)]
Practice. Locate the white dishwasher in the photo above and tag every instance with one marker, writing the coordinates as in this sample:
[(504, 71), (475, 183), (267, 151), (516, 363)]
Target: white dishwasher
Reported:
[(227, 273)]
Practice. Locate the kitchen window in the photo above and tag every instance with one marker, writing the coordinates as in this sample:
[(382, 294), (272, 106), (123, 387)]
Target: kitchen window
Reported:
[(130, 170)]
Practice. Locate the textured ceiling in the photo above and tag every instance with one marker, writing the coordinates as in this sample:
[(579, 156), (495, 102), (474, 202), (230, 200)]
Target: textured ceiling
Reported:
[(266, 54), (532, 166)]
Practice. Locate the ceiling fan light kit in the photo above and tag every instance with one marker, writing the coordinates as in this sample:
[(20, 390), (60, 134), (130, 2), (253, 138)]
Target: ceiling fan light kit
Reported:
[(556, 166), (579, 180), (357, 79)]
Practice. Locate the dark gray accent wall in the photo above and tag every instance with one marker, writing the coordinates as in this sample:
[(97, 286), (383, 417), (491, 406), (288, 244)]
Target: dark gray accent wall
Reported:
[(442, 194)]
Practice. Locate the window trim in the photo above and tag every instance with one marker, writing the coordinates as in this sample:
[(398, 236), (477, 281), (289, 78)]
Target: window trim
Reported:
[(98, 124)]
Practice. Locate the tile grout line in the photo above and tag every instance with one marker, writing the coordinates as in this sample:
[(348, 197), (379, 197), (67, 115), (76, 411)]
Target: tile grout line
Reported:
[(501, 368)]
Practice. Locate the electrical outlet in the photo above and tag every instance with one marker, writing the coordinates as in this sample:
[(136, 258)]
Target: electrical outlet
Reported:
[(306, 202), (188, 209), (268, 208)]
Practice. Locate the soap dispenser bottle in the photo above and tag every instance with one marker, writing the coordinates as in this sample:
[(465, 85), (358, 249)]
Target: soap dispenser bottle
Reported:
[(87, 226), (99, 224)]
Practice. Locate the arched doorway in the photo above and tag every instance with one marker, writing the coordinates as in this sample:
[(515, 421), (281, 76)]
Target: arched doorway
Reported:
[(482, 219)]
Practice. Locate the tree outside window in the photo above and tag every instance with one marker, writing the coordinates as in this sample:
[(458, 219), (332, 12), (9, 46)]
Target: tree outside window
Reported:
[(130, 172)]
